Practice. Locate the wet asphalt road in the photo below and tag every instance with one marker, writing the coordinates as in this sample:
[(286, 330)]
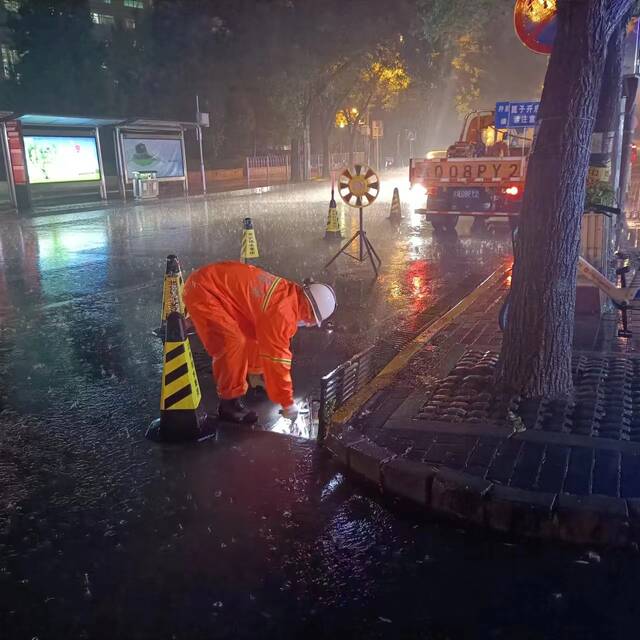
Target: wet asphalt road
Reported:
[(106, 535)]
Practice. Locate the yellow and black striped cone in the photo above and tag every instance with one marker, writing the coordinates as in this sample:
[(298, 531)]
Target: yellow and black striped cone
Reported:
[(249, 249), (172, 288), (333, 231), (182, 414), (395, 214)]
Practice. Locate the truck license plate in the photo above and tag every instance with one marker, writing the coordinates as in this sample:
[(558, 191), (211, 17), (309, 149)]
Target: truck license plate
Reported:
[(466, 194)]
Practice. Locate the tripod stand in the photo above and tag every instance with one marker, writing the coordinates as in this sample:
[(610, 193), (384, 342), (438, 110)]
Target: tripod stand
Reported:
[(364, 246)]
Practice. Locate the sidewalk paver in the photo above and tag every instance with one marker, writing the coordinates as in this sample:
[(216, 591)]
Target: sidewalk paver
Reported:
[(435, 434)]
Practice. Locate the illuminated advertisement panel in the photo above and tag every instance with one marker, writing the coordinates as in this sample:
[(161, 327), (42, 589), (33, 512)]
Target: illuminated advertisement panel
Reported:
[(164, 156), (53, 159)]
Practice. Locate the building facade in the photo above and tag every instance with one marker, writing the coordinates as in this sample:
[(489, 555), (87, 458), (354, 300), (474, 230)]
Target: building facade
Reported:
[(105, 14)]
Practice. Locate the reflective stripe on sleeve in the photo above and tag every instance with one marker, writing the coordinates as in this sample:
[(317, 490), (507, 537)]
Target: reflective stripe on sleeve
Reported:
[(269, 294)]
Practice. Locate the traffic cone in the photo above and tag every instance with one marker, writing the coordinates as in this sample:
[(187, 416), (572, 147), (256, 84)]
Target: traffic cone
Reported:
[(249, 249), (395, 215), (171, 292), (182, 414), (332, 231)]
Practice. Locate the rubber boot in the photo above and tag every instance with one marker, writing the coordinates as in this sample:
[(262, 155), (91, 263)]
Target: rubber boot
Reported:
[(235, 411)]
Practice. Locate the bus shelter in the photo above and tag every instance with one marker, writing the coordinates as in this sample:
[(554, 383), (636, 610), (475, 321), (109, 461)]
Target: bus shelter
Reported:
[(60, 159), (151, 145)]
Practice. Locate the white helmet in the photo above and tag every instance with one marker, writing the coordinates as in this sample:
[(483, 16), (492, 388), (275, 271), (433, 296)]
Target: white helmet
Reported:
[(322, 299)]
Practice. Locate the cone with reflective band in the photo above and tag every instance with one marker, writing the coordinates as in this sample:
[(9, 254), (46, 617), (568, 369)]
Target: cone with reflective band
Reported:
[(172, 290), (395, 214), (249, 249), (182, 414), (332, 231)]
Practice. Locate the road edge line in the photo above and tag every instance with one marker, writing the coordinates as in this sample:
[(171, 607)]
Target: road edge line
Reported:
[(383, 379)]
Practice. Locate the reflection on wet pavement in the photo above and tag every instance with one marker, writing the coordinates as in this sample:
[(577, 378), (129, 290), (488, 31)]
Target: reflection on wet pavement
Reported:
[(80, 293), (106, 535)]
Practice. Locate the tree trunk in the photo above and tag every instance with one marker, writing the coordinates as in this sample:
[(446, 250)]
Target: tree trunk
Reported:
[(352, 142), (611, 89), (537, 344), (631, 91), (607, 119), (296, 164), (306, 152), (605, 145), (326, 157)]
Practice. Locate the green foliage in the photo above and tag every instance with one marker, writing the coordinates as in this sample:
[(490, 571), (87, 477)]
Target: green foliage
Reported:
[(262, 68), (445, 20), (61, 64), (457, 38), (600, 193), (381, 79), (469, 73)]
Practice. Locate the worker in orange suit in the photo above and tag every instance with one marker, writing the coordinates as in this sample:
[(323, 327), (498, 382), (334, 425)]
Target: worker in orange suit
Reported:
[(246, 318)]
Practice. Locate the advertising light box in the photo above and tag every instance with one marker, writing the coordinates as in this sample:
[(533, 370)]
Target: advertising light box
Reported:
[(53, 159), (164, 156)]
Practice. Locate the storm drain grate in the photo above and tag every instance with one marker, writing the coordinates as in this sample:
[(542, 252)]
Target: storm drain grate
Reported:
[(343, 383), (387, 348)]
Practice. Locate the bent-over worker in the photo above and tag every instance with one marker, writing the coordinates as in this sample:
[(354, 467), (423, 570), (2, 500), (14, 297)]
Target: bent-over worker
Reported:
[(246, 318)]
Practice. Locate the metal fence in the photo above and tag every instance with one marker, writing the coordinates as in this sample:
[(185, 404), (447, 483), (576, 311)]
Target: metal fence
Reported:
[(267, 168), (341, 160), (338, 161), (315, 165), (278, 167), (343, 383)]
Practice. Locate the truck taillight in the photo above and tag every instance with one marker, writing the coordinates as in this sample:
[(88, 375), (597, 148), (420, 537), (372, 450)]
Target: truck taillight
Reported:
[(512, 191), (432, 191)]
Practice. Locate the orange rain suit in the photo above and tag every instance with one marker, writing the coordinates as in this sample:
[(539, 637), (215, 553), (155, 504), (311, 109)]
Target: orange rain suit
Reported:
[(246, 318)]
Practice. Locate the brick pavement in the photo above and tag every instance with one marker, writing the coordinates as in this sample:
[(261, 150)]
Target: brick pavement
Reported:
[(567, 469)]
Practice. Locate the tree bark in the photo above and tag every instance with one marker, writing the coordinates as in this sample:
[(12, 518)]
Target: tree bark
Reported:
[(296, 164), (326, 157), (631, 90), (607, 119), (537, 344), (604, 145), (306, 150), (352, 142), (611, 89)]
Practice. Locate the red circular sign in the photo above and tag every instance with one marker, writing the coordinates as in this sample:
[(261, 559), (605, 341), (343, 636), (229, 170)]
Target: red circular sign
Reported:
[(536, 23)]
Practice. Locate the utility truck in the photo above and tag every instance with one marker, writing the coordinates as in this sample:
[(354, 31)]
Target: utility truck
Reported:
[(482, 175)]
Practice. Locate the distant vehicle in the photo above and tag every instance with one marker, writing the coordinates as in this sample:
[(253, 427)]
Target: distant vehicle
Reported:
[(481, 175)]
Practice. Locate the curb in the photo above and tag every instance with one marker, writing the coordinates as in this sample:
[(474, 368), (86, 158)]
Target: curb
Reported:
[(108, 205), (586, 520)]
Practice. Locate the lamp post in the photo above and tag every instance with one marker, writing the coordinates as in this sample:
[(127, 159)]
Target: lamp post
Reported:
[(202, 120)]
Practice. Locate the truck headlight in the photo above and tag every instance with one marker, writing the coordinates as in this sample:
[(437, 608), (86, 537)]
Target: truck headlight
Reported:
[(418, 196)]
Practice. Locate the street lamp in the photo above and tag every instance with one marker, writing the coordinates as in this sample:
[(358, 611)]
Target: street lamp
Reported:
[(341, 119)]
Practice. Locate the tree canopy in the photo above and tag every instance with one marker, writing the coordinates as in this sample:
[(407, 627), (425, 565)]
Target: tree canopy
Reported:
[(61, 65), (265, 69)]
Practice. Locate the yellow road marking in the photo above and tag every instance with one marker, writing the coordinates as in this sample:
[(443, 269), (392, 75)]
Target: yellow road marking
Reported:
[(388, 374)]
